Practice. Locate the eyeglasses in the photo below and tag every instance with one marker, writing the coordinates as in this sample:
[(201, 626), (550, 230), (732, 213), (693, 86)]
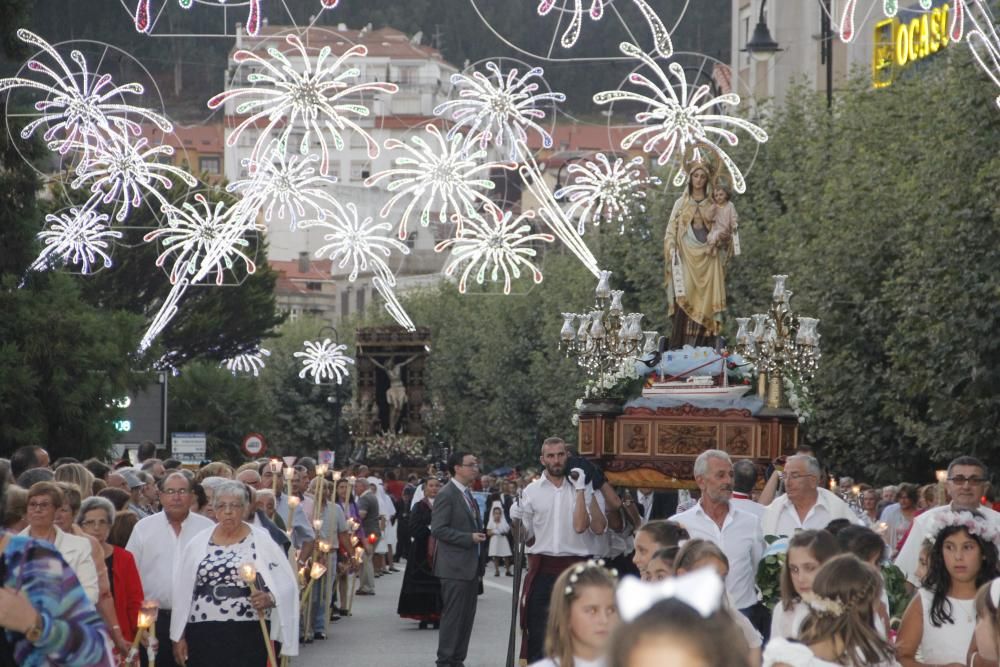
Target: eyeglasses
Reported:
[(40, 506), (175, 492), (95, 523), (962, 480)]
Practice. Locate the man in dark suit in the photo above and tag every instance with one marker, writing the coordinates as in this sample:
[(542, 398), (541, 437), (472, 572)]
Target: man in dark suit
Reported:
[(457, 526)]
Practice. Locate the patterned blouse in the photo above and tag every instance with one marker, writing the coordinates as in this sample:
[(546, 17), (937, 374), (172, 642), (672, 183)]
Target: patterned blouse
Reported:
[(72, 631), (220, 593)]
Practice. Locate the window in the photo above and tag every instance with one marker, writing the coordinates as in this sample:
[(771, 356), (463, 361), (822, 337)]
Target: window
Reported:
[(293, 314), (314, 287), (345, 303), (744, 37), (360, 301), (411, 240), (360, 170), (210, 164)]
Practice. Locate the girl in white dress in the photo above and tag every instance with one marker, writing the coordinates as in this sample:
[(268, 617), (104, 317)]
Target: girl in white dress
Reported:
[(840, 628), (582, 616), (497, 530), (807, 551), (940, 621), (986, 644)]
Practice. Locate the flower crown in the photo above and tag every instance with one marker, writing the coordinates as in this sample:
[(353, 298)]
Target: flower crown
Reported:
[(580, 568), (973, 523), (822, 605)]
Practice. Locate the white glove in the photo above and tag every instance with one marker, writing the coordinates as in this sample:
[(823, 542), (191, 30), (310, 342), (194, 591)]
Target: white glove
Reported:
[(580, 483), (516, 512)]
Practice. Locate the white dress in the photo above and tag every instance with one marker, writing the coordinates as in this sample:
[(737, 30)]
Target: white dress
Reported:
[(786, 623), (783, 652), (950, 642), (499, 546), (577, 662)]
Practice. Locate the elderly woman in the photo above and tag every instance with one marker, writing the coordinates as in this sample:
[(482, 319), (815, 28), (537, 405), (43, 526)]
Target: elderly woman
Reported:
[(105, 603), (45, 615), (44, 500), (215, 617), (95, 517)]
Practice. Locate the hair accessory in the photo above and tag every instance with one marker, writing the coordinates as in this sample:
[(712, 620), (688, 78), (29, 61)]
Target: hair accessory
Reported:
[(580, 568), (822, 605), (974, 524), (701, 590)]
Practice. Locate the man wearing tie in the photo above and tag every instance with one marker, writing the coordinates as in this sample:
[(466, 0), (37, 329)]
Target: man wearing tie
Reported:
[(458, 528)]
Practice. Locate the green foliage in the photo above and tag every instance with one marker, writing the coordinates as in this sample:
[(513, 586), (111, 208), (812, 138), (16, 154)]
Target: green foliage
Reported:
[(769, 577), (895, 588)]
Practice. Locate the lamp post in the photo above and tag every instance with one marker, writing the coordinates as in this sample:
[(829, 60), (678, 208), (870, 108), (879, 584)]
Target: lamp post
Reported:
[(334, 398)]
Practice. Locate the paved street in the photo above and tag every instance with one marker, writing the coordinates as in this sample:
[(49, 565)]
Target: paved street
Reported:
[(376, 637)]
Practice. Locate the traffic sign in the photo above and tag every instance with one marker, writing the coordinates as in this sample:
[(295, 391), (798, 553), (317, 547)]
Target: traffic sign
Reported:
[(254, 445)]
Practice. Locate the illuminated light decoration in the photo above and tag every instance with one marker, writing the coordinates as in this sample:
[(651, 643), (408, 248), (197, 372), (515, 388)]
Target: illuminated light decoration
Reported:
[(553, 215), (499, 110), (248, 362), (143, 17), (444, 176), (890, 8), (330, 4), (202, 241), (604, 191), (984, 42), (126, 171), (360, 243), (317, 99), (680, 122), (165, 314), (500, 247), (80, 108), (77, 238), (661, 37), (324, 361), (288, 184), (392, 304)]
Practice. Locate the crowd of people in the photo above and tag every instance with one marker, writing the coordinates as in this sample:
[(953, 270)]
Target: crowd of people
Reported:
[(245, 564)]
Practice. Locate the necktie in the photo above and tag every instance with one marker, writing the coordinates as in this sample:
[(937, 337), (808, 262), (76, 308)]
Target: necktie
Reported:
[(472, 506)]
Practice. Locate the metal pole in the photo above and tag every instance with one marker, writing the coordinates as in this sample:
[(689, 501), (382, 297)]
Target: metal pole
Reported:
[(515, 603), (827, 39)]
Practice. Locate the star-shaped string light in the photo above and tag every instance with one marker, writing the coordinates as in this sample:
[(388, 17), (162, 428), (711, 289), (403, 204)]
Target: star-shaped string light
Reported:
[(358, 242), (498, 109), (441, 176), (661, 37), (324, 361), (604, 191), (314, 96), (247, 362), (78, 238), (82, 110), (502, 246), (286, 184), (680, 119)]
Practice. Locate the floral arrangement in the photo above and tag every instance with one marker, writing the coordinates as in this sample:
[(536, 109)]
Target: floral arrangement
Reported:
[(973, 526), (394, 446), (769, 569), (798, 397), (624, 382), (822, 605)]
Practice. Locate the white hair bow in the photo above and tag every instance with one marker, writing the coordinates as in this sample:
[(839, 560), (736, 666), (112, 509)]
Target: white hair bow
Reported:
[(701, 590)]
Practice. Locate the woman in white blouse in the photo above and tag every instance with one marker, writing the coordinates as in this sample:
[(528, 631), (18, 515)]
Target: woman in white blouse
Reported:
[(215, 617)]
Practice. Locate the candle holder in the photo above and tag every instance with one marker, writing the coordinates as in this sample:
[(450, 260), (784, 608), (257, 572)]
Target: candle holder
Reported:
[(249, 574), (941, 494)]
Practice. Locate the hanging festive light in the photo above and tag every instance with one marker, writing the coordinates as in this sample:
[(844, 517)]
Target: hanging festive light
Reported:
[(444, 177), (289, 184), (195, 237), (501, 246), (604, 191), (314, 96), (144, 21), (324, 361), (680, 119), (498, 109), (848, 25), (248, 362), (77, 238), (984, 41), (661, 37), (82, 110)]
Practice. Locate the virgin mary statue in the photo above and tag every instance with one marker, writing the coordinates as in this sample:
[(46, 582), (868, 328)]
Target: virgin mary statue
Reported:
[(695, 272)]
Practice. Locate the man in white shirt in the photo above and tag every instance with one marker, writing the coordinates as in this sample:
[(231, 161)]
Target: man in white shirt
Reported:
[(804, 506), (967, 480), (556, 513), (736, 532), (156, 544)]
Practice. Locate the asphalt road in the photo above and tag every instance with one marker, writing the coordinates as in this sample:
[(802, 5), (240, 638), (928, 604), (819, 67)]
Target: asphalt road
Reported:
[(374, 636)]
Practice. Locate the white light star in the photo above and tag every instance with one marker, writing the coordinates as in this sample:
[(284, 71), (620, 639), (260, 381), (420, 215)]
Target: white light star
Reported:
[(500, 109), (984, 42), (503, 246), (318, 99), (442, 177), (248, 362), (288, 184), (596, 12), (324, 361), (605, 191), (361, 243), (680, 119), (202, 241), (126, 171), (78, 238), (82, 109)]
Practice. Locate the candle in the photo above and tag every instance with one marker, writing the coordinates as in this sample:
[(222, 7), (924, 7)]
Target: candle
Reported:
[(249, 574), (942, 476), (293, 501), (336, 475)]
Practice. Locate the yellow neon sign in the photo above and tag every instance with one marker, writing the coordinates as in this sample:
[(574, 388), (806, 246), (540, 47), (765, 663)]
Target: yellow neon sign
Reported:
[(898, 45)]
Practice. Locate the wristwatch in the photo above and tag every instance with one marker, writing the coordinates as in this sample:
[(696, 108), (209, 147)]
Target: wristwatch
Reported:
[(34, 633)]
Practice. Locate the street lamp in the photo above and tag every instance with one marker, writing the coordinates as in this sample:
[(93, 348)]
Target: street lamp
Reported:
[(762, 46), (333, 399)]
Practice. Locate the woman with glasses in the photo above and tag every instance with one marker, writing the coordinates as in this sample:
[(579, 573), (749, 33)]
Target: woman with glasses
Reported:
[(215, 619), (95, 517)]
